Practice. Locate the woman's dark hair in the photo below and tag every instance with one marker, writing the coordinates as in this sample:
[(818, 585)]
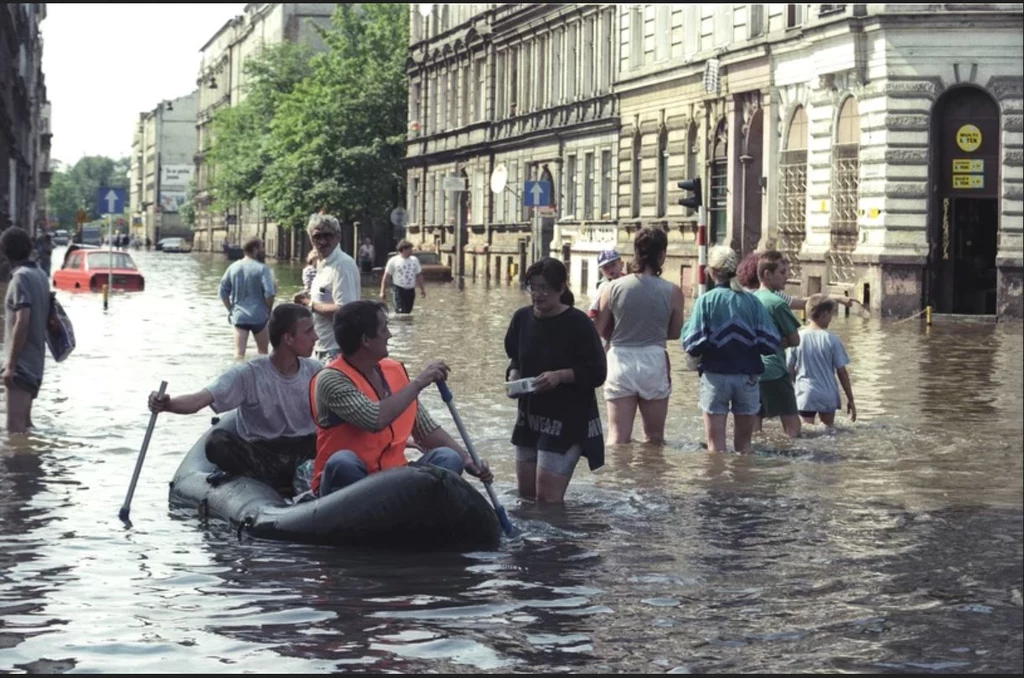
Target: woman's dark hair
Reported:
[(554, 274), (746, 272), (355, 320), (648, 246), (283, 320), (15, 244)]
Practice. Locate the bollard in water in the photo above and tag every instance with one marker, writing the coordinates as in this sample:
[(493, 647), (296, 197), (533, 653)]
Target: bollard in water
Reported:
[(928, 315), (106, 295)]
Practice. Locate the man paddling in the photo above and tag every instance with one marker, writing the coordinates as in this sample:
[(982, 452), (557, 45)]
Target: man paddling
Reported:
[(271, 394), (365, 407)]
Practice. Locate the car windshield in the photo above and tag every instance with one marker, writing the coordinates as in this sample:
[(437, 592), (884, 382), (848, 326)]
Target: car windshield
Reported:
[(428, 258), (103, 260)]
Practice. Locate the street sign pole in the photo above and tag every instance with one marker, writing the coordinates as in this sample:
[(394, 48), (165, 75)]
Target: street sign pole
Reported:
[(110, 263)]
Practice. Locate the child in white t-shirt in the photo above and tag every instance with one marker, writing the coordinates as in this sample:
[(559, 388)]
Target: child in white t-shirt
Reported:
[(815, 364)]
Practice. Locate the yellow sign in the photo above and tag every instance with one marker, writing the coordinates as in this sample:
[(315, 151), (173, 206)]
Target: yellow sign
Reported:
[(968, 181), (968, 138), (966, 165), (874, 212)]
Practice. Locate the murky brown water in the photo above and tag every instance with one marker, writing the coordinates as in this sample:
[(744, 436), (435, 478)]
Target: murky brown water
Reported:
[(894, 545)]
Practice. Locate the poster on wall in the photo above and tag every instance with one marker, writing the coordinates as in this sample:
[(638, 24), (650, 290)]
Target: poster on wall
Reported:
[(174, 181)]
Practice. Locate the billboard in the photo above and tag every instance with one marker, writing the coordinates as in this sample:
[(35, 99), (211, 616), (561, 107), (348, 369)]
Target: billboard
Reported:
[(174, 181)]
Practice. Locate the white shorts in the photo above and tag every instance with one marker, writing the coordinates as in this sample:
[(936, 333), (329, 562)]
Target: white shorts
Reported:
[(637, 371)]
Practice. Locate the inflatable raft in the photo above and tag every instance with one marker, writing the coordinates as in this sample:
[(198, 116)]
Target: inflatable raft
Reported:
[(412, 507)]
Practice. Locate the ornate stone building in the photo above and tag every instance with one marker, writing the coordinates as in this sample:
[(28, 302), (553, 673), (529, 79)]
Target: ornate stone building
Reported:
[(830, 132), (527, 87), (221, 82), (878, 145), (24, 118)]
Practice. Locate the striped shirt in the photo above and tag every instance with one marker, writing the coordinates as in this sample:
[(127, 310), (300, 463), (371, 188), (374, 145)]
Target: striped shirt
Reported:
[(338, 397)]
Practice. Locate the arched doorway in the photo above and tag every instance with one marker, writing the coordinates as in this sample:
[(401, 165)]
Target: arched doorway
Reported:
[(753, 169), (963, 227)]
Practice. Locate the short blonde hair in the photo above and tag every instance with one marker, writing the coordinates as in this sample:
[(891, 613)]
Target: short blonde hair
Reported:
[(819, 305), (312, 257)]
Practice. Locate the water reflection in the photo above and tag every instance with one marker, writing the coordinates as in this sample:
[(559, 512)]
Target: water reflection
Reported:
[(892, 545)]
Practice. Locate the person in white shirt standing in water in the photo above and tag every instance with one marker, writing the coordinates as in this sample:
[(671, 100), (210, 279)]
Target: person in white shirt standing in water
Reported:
[(336, 283), (405, 272)]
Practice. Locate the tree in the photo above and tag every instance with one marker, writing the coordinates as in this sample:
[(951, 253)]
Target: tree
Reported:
[(338, 140), (187, 211), (240, 132), (76, 187)]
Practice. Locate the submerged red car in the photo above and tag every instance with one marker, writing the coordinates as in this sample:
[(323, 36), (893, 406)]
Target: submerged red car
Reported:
[(89, 268)]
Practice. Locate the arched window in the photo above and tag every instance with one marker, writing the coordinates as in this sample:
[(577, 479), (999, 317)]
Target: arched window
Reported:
[(793, 191), (845, 193), (662, 172)]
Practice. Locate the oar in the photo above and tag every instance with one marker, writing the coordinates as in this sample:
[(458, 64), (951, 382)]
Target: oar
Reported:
[(123, 513), (446, 396)]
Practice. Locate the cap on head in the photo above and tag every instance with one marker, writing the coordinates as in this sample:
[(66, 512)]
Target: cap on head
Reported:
[(607, 257)]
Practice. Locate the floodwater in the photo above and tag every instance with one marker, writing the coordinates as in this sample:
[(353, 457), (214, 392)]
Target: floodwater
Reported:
[(893, 545)]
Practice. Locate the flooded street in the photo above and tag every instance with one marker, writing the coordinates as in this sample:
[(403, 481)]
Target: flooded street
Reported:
[(893, 545)]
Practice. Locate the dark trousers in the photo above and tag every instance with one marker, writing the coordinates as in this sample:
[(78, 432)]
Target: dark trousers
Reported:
[(270, 461), (404, 299)]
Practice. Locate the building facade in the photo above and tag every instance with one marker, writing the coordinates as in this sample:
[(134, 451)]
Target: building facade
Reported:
[(24, 118), (885, 161), (163, 150), (221, 82)]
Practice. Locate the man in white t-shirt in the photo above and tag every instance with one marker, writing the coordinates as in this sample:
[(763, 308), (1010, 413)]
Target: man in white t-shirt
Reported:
[(271, 393), (337, 282), (405, 273)]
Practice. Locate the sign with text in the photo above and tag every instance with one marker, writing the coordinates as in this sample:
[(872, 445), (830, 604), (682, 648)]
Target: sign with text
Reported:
[(174, 181), (968, 166), (968, 181)]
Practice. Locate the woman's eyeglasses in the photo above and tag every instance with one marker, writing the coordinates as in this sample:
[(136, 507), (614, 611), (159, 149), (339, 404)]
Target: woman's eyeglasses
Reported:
[(539, 289)]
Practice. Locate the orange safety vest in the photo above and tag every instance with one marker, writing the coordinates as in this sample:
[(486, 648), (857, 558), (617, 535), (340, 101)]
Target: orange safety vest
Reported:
[(378, 450)]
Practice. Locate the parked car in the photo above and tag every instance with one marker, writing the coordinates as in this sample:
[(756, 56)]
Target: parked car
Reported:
[(174, 245), (87, 267), (61, 237), (433, 269)]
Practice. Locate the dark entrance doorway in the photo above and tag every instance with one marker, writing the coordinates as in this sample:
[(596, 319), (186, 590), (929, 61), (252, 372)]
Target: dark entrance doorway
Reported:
[(964, 219), (751, 166), (547, 223)]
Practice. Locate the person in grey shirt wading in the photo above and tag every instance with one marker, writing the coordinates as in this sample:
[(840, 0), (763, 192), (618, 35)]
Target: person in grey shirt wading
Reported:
[(247, 290), (26, 308)]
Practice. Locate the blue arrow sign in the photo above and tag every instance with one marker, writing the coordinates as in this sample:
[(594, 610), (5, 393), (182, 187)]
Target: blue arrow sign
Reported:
[(110, 200), (537, 194)]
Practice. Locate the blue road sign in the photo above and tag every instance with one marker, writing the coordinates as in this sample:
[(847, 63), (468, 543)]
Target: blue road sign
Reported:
[(110, 200), (537, 194)]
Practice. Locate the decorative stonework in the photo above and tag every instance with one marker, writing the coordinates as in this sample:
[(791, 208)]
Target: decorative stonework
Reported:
[(1006, 87)]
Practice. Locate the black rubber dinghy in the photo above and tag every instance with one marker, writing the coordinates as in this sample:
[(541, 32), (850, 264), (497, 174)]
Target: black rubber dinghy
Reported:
[(414, 507)]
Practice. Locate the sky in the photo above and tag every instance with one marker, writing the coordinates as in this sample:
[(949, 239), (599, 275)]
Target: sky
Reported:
[(105, 63)]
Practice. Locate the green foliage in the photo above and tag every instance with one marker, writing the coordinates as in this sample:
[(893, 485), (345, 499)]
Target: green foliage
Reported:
[(76, 187), (240, 133), (331, 136), (187, 211)]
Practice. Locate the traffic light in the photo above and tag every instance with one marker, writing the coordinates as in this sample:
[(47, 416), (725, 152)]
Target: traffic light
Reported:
[(692, 202)]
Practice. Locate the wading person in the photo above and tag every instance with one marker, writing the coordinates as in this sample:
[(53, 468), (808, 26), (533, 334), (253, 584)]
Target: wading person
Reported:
[(26, 310), (558, 347), (336, 282), (643, 311), (271, 394), (247, 291), (778, 399), (729, 330), (405, 273), (815, 364), (366, 407)]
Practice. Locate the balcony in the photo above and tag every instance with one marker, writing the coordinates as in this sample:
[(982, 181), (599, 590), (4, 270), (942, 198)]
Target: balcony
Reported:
[(45, 178), (45, 140)]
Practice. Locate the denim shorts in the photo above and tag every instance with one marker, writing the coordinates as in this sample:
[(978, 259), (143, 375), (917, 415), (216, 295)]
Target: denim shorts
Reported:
[(251, 327), (719, 391)]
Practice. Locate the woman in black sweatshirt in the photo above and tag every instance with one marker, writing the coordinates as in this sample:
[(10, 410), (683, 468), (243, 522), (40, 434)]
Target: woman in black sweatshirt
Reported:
[(558, 422)]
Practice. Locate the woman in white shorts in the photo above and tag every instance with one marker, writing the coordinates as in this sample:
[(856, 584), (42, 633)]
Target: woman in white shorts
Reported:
[(642, 311)]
